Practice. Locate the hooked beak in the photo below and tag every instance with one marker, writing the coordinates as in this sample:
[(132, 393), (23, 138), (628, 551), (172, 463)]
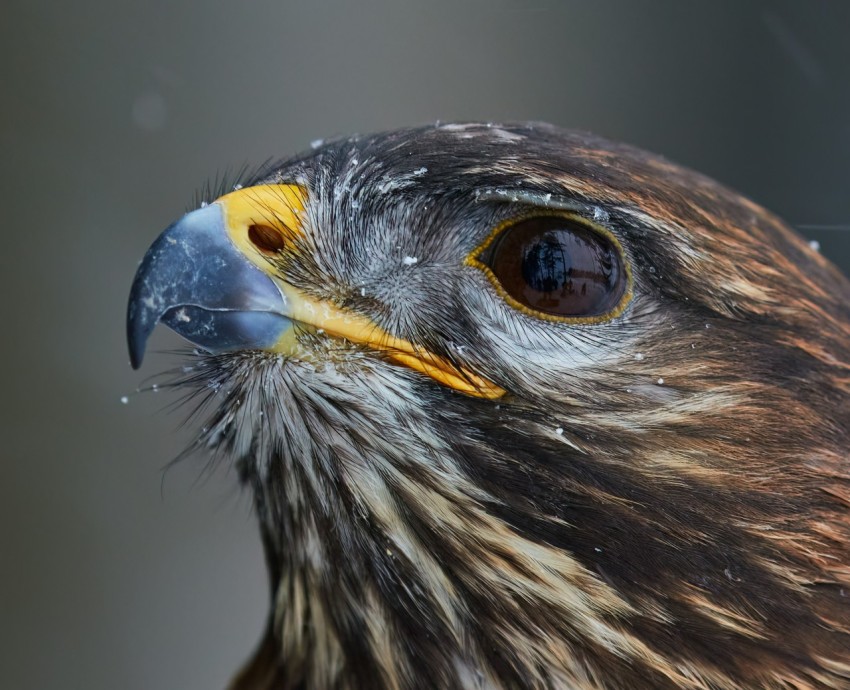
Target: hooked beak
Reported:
[(195, 281)]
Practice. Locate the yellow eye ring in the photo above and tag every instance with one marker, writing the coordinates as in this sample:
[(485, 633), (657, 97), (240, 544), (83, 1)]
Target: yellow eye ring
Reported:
[(556, 266)]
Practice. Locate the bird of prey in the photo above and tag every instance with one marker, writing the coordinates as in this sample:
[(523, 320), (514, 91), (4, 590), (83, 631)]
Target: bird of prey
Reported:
[(520, 407)]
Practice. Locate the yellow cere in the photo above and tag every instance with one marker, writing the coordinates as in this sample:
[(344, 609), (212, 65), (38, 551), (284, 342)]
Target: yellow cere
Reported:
[(282, 207), (279, 206)]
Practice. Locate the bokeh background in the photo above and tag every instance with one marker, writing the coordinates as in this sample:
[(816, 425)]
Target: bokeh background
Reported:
[(115, 573)]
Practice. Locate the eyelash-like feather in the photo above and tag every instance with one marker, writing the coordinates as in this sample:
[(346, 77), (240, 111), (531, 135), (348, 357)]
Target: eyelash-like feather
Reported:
[(228, 180)]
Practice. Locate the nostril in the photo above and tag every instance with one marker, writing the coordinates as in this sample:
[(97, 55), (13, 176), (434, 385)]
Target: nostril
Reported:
[(267, 239)]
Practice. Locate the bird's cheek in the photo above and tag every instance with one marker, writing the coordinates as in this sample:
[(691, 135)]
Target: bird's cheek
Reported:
[(329, 320)]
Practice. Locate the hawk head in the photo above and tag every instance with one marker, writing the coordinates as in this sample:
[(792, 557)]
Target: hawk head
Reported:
[(520, 407)]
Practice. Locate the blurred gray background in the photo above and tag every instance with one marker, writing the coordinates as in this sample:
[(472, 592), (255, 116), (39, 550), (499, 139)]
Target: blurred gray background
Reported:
[(117, 574)]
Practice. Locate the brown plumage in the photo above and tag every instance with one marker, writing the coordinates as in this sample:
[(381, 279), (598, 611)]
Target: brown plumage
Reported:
[(655, 495)]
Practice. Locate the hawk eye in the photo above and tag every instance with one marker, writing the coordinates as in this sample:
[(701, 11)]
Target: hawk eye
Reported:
[(557, 266)]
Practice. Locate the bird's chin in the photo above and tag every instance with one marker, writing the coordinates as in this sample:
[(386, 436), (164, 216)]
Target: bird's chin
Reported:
[(248, 401)]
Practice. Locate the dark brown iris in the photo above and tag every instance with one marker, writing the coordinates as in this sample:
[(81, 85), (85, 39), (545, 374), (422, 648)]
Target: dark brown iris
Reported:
[(557, 266), (266, 238)]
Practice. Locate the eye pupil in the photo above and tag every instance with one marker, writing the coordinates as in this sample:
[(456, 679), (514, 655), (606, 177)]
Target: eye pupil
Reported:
[(267, 239), (557, 266), (544, 265)]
